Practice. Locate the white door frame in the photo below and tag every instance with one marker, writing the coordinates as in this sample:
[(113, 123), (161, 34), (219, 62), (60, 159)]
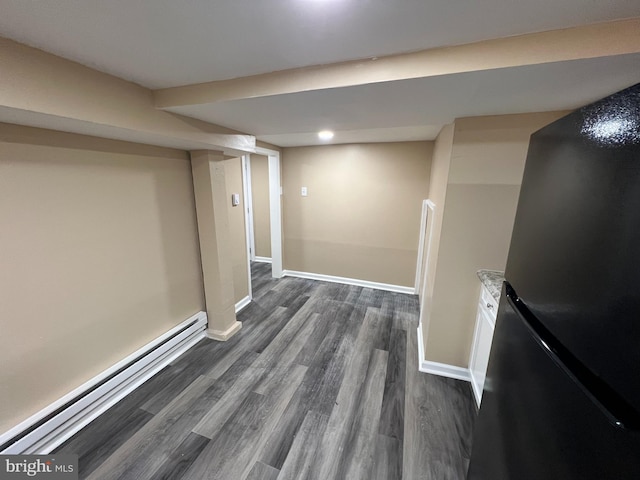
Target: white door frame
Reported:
[(248, 217), (423, 228), (248, 198), (428, 210), (275, 209)]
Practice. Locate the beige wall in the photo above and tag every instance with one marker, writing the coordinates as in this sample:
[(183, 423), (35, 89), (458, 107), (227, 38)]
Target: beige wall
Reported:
[(437, 194), (361, 218), (99, 256), (233, 178), (38, 87), (212, 214), (261, 213), (487, 162)]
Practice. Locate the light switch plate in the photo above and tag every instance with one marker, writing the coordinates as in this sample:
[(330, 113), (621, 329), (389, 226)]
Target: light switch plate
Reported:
[(235, 199), (303, 191)]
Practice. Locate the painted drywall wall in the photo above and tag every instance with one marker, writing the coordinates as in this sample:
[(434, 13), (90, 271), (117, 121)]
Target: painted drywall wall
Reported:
[(237, 232), (211, 201), (41, 89), (437, 194), (487, 162), (99, 255), (361, 217), (260, 197)]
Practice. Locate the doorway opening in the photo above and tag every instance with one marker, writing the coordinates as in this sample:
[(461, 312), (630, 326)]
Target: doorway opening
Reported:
[(263, 210)]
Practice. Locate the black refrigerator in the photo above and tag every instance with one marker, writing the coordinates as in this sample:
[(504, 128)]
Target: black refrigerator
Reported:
[(562, 394)]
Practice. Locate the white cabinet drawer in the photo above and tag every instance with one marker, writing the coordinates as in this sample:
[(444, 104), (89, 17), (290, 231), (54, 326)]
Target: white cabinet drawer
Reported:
[(488, 303), (482, 338), (482, 348)]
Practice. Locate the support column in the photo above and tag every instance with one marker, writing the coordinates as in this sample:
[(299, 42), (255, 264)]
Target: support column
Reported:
[(215, 242)]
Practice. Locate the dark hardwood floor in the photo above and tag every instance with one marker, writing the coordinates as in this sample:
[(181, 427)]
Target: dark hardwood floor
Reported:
[(320, 383)]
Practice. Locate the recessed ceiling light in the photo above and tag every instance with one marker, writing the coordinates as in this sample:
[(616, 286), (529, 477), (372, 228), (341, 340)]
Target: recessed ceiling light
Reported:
[(325, 135)]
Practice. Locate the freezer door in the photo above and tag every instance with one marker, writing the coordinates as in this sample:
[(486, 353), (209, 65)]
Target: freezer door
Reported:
[(575, 250), (537, 422)]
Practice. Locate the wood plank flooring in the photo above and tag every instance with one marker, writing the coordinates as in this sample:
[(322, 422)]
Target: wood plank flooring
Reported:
[(320, 383)]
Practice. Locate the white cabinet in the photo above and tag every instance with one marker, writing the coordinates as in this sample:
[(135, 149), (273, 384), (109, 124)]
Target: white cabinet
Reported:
[(482, 338)]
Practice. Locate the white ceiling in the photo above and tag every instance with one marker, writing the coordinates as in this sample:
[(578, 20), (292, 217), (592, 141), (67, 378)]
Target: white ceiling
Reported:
[(164, 43), (418, 108)]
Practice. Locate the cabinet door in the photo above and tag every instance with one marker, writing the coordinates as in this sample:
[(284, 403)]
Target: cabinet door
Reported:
[(482, 348)]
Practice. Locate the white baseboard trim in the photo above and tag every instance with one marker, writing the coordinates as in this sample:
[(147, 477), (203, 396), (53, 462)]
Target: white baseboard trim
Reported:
[(243, 303), (224, 335), (350, 281), (445, 370), (421, 359), (477, 393), (50, 427), (262, 259), (436, 368)]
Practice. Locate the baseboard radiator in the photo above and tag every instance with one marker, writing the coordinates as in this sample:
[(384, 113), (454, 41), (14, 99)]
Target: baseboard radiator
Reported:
[(49, 428)]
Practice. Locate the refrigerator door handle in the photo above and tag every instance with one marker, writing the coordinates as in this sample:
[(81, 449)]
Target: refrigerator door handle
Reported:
[(617, 410)]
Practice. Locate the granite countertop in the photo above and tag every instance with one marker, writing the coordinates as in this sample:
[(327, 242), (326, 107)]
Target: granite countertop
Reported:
[(492, 279)]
